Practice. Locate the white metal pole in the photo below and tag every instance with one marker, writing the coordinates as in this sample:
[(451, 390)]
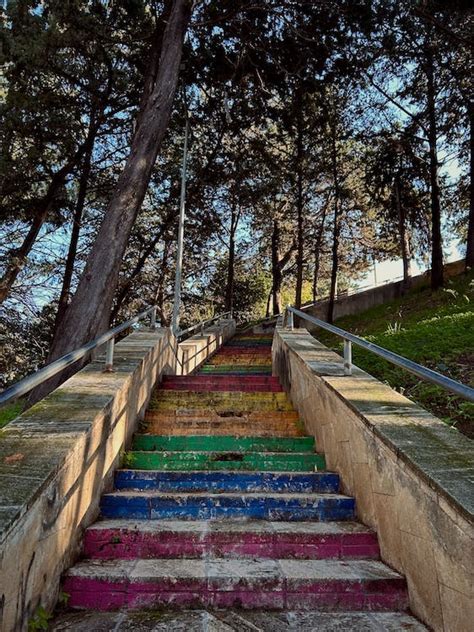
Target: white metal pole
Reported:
[(179, 254)]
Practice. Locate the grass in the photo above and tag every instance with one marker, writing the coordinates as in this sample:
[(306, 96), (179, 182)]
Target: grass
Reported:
[(7, 413), (435, 329)]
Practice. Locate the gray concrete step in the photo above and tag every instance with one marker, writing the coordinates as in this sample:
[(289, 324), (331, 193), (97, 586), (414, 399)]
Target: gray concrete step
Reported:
[(237, 621)]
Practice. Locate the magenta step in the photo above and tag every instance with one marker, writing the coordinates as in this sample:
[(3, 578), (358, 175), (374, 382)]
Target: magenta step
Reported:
[(234, 379), (132, 539), (225, 583)]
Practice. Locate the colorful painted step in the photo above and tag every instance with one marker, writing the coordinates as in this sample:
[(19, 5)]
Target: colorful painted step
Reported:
[(226, 443), (216, 482), (220, 400), (222, 427), (152, 505), (222, 383), (231, 369), (225, 583), (132, 539), (225, 460)]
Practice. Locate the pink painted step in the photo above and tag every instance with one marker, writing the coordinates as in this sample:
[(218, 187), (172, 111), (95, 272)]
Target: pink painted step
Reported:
[(131, 539), (225, 583)]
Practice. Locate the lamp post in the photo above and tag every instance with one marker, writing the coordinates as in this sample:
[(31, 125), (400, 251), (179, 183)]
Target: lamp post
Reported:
[(179, 253)]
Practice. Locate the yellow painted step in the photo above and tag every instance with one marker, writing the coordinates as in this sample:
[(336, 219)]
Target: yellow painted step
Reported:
[(222, 401)]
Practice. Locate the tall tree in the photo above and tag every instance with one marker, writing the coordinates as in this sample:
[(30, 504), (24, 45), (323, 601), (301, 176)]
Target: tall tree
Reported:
[(89, 311)]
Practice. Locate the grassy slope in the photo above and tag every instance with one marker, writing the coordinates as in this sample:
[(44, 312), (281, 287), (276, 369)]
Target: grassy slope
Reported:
[(7, 413), (435, 329)]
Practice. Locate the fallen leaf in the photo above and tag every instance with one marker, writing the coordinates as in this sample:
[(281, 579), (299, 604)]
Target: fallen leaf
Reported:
[(14, 458)]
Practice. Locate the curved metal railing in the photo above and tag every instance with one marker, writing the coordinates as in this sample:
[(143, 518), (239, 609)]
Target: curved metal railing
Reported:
[(412, 367), (30, 382)]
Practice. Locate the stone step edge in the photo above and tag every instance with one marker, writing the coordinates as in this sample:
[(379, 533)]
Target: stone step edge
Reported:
[(143, 539), (225, 481), (256, 445), (351, 584)]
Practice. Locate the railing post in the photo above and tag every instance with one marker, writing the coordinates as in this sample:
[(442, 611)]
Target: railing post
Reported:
[(347, 357), (290, 319), (109, 356), (153, 318)]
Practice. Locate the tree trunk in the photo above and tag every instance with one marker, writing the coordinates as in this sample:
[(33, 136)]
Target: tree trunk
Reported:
[(317, 254), (404, 236), (336, 229), (160, 290), (269, 298), (18, 256), (89, 311), (76, 229), (299, 210), (470, 224), (436, 241), (229, 291), (276, 269)]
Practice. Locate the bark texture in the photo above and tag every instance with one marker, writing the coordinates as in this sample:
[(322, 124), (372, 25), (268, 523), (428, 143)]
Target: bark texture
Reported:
[(470, 224), (336, 227), (436, 241), (89, 312)]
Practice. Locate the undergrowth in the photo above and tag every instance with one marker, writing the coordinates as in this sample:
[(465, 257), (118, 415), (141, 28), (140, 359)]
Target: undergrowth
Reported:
[(435, 329)]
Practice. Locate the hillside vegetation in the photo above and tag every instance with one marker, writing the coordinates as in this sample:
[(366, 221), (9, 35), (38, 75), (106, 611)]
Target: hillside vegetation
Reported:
[(435, 329)]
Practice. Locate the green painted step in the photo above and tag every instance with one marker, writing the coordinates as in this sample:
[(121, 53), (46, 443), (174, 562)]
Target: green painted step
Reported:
[(223, 443), (250, 461)]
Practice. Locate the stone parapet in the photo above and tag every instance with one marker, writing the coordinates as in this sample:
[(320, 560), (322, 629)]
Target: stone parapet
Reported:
[(56, 460), (411, 474), (195, 350)]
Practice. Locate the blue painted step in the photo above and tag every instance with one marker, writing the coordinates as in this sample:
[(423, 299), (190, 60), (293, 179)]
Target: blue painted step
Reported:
[(289, 507), (227, 481)]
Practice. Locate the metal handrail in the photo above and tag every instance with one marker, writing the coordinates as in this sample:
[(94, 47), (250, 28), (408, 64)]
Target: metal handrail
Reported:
[(463, 390), (201, 324), (32, 381)]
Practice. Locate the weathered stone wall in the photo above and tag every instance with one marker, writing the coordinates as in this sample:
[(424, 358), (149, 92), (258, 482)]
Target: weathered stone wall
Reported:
[(57, 458), (359, 302), (410, 474), (194, 351)]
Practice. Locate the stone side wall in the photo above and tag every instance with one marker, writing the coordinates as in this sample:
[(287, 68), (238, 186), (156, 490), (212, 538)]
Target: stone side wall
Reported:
[(57, 458), (410, 474), (194, 351), (359, 302)]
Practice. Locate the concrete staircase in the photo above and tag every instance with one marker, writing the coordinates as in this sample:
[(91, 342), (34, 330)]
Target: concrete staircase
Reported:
[(224, 503)]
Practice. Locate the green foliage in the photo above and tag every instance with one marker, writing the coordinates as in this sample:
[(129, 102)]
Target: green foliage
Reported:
[(433, 329), (40, 621)]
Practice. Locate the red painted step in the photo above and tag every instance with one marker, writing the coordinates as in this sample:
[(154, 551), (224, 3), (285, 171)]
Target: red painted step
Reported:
[(135, 539), (244, 351)]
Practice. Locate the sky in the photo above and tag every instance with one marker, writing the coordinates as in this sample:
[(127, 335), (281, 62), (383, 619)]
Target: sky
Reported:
[(392, 270)]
